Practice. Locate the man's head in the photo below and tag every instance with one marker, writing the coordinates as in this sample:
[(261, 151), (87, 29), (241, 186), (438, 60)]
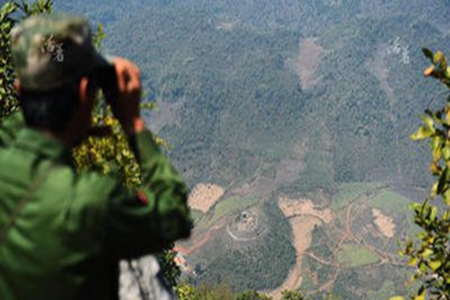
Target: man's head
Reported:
[(55, 61)]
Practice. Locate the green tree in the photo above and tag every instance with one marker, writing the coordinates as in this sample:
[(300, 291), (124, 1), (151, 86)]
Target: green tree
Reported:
[(221, 291), (429, 251), (186, 291), (10, 14), (331, 296), (252, 295), (292, 295)]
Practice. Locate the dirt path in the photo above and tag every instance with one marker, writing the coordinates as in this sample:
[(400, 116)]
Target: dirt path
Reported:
[(303, 219), (348, 235), (329, 285), (322, 261), (197, 245)]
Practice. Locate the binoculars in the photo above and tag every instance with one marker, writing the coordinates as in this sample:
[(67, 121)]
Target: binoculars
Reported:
[(107, 81)]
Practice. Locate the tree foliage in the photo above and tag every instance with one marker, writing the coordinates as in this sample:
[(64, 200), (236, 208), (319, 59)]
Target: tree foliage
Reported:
[(429, 251), (204, 292), (252, 295), (10, 14), (331, 296), (292, 295), (223, 291)]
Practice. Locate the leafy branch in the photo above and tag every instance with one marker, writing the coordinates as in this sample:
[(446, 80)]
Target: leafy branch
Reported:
[(429, 251)]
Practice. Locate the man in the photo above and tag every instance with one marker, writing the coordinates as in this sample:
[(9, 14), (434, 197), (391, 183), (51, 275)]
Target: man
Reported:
[(61, 232)]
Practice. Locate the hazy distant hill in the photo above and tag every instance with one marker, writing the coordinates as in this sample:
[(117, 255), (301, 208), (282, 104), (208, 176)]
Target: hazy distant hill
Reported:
[(300, 98), (228, 76)]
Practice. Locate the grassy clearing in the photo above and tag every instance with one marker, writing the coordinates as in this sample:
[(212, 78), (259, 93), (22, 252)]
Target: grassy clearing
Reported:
[(227, 206), (232, 205), (390, 202), (350, 191), (353, 255)]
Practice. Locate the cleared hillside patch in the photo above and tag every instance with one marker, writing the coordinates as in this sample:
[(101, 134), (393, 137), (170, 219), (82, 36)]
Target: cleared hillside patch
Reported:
[(350, 191), (307, 62), (353, 255), (295, 207), (204, 196), (385, 224)]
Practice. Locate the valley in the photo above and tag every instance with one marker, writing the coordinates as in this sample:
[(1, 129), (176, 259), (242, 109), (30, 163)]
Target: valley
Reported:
[(290, 122)]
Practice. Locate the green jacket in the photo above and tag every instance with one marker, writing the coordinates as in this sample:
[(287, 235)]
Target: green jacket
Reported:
[(62, 232)]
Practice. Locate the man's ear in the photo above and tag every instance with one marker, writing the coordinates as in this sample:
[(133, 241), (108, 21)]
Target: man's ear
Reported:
[(17, 86)]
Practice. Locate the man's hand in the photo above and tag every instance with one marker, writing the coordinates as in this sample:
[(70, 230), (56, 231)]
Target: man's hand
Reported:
[(126, 106)]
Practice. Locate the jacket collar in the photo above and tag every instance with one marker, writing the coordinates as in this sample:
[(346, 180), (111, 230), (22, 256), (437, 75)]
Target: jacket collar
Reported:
[(37, 142)]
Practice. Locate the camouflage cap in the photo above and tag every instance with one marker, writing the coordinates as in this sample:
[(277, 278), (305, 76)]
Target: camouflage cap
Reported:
[(52, 50)]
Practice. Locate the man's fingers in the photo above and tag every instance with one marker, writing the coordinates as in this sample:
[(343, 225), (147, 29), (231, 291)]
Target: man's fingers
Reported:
[(128, 76), (132, 79), (134, 84), (120, 77), (137, 71), (129, 85)]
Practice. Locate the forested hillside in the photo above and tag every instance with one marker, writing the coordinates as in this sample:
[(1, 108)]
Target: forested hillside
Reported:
[(308, 100), (226, 76)]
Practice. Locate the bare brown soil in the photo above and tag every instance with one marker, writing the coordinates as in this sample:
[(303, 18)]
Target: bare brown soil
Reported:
[(385, 224), (204, 196), (202, 240), (292, 207)]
